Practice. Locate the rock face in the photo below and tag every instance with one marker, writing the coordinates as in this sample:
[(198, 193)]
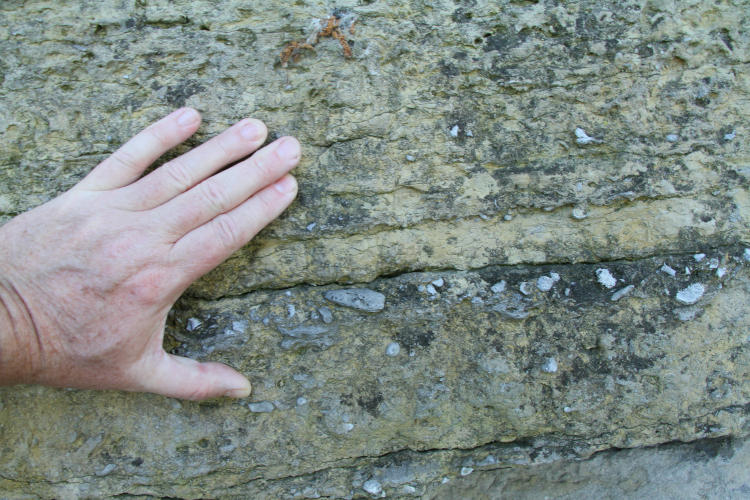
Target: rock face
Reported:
[(590, 157)]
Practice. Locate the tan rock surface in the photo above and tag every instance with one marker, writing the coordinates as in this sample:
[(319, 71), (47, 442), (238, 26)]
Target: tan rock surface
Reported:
[(464, 144)]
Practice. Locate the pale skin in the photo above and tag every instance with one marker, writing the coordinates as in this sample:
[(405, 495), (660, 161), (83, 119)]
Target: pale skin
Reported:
[(87, 279)]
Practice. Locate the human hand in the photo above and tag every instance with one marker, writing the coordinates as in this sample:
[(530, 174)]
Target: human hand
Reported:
[(87, 279)]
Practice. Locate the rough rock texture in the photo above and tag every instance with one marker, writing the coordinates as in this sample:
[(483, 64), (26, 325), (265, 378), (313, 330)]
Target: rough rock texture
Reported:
[(480, 164)]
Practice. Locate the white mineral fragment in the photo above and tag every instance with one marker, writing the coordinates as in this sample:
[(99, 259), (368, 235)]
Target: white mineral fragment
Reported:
[(605, 278), (668, 270), (498, 287), (373, 487), (393, 349), (357, 298), (583, 138), (545, 283), (622, 292), (550, 366), (691, 294)]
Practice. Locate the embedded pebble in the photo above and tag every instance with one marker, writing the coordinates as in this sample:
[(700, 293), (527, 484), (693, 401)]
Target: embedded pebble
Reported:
[(578, 213), (498, 287), (301, 401), (699, 257), (106, 470), (373, 487), (431, 289), (261, 407), (291, 310), (393, 349), (545, 283), (524, 287), (192, 324), (550, 366), (465, 471), (507, 217), (325, 313), (672, 137), (691, 294), (409, 489), (311, 226), (469, 133), (567, 409), (746, 255), (721, 272), (363, 299), (730, 136), (622, 292), (439, 282), (305, 336), (410, 158), (713, 263), (668, 270), (583, 138), (605, 277), (454, 131)]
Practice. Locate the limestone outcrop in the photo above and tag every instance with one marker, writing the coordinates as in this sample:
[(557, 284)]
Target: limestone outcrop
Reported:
[(520, 247)]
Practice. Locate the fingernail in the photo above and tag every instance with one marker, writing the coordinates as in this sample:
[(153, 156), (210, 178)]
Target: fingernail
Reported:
[(187, 116), (285, 185), (238, 392), (251, 130), (289, 148)]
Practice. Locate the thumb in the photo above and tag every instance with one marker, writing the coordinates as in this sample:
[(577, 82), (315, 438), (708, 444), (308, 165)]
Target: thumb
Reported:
[(185, 378)]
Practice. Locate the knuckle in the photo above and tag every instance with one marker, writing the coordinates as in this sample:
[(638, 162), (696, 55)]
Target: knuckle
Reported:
[(226, 231), (179, 175), (223, 144), (198, 394), (267, 204), (214, 196), (264, 166), (157, 133), (125, 159)]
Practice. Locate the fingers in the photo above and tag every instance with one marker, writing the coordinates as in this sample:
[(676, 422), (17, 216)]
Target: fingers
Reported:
[(184, 378), (226, 190), (179, 175), (128, 163), (209, 245)]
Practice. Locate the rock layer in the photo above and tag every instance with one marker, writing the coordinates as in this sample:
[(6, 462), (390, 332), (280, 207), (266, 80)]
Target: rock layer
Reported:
[(476, 163)]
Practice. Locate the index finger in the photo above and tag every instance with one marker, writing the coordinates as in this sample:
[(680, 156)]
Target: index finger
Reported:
[(128, 163)]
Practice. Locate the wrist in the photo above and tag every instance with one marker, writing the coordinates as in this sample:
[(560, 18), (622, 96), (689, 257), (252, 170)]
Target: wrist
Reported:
[(19, 346)]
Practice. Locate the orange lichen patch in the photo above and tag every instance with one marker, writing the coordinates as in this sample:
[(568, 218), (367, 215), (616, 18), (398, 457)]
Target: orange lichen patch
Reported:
[(351, 27), (338, 35), (333, 25), (293, 50)]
